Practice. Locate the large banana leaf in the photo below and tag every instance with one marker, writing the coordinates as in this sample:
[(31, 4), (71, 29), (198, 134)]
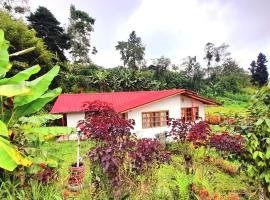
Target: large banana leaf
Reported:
[(3, 129), (11, 90), (21, 76), (53, 130), (39, 87), (10, 157), (39, 119), (37, 104), (4, 57)]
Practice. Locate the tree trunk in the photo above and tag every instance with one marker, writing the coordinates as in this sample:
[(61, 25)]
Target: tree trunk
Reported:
[(262, 192)]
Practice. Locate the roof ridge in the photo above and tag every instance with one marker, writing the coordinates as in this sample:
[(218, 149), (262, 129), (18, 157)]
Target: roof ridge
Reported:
[(103, 93)]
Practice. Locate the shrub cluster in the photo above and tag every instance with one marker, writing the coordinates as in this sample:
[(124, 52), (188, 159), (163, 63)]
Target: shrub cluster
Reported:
[(118, 151), (200, 135)]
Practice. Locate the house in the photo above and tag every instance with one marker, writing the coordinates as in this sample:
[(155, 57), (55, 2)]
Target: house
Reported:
[(151, 110)]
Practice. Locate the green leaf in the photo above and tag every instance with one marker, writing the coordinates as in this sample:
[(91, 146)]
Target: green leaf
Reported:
[(53, 130), (37, 104), (11, 90), (10, 157), (39, 87), (39, 119), (258, 154), (4, 57), (3, 129), (22, 52), (268, 122), (21, 76), (267, 178), (52, 163), (259, 122), (268, 140), (267, 154)]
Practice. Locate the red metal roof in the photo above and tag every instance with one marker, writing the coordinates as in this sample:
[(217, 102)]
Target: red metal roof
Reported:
[(121, 101)]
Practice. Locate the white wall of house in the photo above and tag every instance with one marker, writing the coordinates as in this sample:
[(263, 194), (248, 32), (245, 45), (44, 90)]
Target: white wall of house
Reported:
[(73, 118), (172, 104)]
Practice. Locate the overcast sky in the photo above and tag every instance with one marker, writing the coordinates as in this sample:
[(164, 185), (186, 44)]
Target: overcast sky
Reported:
[(173, 28)]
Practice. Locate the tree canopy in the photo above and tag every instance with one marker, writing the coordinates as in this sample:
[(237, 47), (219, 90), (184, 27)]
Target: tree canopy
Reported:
[(258, 69), (131, 51), (79, 29), (20, 38), (49, 29)]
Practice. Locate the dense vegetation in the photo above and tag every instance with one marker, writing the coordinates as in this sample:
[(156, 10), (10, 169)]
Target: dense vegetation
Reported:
[(226, 157)]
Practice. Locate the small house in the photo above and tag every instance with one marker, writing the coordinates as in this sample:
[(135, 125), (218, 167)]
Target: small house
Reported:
[(151, 110)]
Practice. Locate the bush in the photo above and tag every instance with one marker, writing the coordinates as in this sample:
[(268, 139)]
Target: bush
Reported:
[(119, 154)]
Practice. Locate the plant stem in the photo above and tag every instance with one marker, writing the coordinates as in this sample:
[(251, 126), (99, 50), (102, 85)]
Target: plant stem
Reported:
[(11, 118), (2, 107)]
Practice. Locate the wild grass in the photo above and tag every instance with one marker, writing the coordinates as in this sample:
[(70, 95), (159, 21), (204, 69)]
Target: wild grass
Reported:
[(167, 182)]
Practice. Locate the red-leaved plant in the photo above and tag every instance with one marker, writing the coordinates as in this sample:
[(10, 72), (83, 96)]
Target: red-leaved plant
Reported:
[(117, 145), (199, 134), (227, 142), (146, 153), (179, 129)]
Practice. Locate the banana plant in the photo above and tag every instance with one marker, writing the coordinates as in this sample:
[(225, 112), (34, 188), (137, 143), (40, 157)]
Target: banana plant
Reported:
[(19, 98)]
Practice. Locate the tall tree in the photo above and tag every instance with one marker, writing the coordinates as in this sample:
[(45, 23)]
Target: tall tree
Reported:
[(21, 37), (49, 29), (215, 56), (258, 69), (193, 73), (20, 7), (215, 53), (132, 51), (160, 66), (79, 29)]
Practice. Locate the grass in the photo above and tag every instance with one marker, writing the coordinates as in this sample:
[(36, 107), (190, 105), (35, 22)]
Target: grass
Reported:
[(67, 153), (233, 104), (167, 182)]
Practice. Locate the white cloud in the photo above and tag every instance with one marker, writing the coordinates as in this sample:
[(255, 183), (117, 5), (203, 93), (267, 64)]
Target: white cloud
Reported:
[(187, 25), (175, 28)]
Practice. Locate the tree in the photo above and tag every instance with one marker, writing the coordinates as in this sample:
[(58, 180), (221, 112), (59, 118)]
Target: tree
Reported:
[(159, 66), (215, 57), (258, 69), (79, 29), (15, 6), (132, 51), (193, 72), (20, 38), (49, 29), (215, 53)]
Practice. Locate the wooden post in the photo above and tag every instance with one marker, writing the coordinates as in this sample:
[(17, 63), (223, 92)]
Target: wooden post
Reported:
[(192, 110), (63, 120), (78, 148)]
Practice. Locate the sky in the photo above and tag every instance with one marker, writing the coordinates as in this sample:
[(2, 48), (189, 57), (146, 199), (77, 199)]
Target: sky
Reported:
[(173, 28)]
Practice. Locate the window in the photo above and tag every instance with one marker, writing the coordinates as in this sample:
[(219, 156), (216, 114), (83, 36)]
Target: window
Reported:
[(155, 119), (188, 115)]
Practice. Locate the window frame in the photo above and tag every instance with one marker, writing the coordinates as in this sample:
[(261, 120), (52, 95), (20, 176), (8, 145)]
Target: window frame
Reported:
[(195, 115), (167, 115)]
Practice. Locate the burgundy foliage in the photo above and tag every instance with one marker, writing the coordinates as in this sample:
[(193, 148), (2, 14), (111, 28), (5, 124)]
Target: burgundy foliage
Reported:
[(199, 134), (102, 123), (228, 143), (146, 153), (116, 144), (179, 129), (47, 175)]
